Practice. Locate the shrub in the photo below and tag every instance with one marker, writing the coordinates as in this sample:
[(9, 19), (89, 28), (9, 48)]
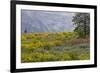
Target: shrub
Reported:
[(85, 56), (74, 56)]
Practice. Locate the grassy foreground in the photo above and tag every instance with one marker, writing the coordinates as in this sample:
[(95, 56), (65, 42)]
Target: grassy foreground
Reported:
[(62, 46)]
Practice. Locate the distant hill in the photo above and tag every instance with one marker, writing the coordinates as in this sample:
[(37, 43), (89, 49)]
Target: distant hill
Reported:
[(46, 21)]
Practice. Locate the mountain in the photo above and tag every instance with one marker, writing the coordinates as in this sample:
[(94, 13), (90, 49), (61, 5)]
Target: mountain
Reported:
[(46, 21)]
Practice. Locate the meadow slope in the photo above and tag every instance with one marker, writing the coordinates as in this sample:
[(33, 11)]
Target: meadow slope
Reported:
[(59, 46)]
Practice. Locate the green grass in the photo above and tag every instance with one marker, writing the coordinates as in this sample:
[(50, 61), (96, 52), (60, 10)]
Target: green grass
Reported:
[(62, 46)]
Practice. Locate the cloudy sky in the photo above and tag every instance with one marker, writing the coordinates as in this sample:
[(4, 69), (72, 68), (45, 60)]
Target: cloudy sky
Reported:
[(46, 21)]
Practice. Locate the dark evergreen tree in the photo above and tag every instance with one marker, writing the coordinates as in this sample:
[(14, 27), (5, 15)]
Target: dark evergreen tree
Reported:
[(82, 23), (25, 31)]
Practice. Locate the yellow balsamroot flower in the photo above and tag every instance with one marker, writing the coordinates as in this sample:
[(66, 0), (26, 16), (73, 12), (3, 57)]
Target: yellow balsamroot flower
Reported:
[(27, 45), (23, 38)]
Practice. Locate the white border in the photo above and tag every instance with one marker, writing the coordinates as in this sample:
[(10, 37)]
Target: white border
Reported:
[(20, 65)]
